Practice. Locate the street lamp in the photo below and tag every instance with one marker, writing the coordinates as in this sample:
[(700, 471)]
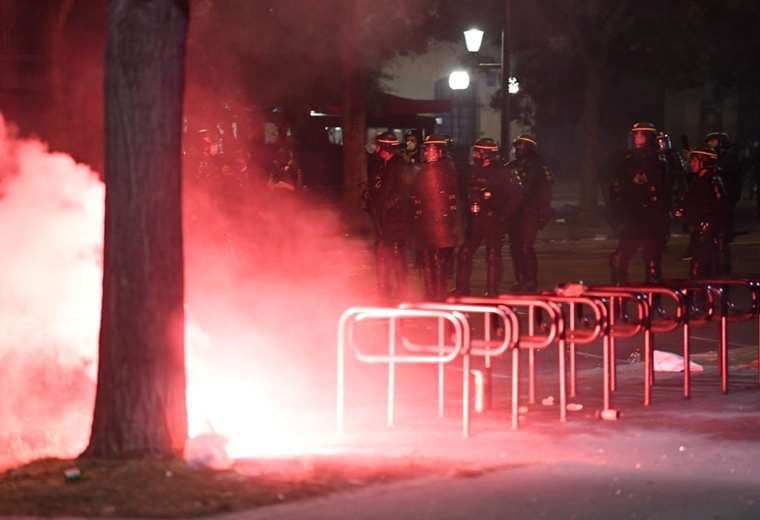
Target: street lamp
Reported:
[(459, 80), (514, 85), (473, 38)]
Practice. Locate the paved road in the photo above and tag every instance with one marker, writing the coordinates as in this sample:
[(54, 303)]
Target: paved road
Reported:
[(677, 459)]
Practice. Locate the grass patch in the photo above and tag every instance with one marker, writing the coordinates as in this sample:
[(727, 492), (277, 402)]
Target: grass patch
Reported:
[(170, 488)]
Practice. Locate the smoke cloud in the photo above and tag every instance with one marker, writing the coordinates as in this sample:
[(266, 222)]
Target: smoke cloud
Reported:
[(267, 277), (51, 227)]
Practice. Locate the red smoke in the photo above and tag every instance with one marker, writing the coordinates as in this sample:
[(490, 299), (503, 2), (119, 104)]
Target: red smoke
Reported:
[(266, 280)]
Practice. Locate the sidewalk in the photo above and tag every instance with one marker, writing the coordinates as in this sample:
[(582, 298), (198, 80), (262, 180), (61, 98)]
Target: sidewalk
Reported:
[(697, 459)]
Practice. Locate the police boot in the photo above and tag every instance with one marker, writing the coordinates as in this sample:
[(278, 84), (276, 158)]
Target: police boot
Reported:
[(517, 269), (724, 251), (464, 269), (382, 267), (618, 268), (494, 272), (697, 268), (428, 275), (440, 275), (653, 268), (530, 271), (399, 271)]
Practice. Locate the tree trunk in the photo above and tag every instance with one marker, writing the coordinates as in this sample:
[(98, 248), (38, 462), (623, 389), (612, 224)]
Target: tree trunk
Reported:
[(354, 118), (140, 406), (590, 128), (354, 140), (59, 87)]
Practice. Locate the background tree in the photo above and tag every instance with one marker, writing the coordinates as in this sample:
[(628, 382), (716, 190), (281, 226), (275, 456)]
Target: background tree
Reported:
[(140, 407)]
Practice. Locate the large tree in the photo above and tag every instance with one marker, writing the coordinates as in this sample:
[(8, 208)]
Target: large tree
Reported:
[(140, 407)]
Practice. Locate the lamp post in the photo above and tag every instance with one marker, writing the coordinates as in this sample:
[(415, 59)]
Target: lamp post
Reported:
[(473, 39)]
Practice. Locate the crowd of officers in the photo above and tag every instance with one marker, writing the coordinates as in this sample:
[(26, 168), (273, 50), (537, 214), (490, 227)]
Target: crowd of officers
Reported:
[(416, 204), (414, 199)]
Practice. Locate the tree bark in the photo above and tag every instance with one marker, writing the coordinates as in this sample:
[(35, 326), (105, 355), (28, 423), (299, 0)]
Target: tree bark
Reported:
[(140, 406), (59, 91), (354, 140), (590, 128), (354, 119)]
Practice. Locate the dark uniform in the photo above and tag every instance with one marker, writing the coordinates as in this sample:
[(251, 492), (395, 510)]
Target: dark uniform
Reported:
[(676, 167), (411, 152), (753, 167), (389, 204), (437, 215), (730, 171), (706, 207), (285, 173), (640, 198), (493, 196), (533, 214)]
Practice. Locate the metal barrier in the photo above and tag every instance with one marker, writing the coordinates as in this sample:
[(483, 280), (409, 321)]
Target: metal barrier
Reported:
[(720, 288), (486, 348), (444, 355), (617, 330), (558, 315), (527, 339), (652, 326)]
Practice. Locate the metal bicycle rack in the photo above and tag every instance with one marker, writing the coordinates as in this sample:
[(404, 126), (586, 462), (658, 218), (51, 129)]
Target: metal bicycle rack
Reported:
[(486, 347), (718, 289), (538, 321), (653, 326), (391, 316), (530, 340)]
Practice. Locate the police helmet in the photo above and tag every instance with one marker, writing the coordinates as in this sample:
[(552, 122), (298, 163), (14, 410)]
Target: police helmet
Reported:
[(386, 141), (707, 158), (721, 137), (645, 128), (525, 145), (485, 148)]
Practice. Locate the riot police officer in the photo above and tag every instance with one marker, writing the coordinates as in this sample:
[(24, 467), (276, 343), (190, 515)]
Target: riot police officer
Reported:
[(640, 199), (728, 163), (533, 213), (706, 206), (492, 198), (437, 214), (730, 171), (389, 205), (674, 161)]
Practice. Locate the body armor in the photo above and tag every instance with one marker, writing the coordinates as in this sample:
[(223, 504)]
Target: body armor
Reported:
[(436, 205), (389, 205), (532, 215), (494, 195), (640, 199), (707, 208)]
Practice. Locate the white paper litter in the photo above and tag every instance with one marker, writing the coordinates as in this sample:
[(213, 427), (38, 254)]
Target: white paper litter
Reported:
[(671, 362), (208, 451)]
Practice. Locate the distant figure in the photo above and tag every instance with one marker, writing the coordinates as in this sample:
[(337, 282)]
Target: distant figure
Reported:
[(640, 199), (494, 194), (706, 207), (411, 153), (730, 171), (389, 205), (437, 214), (532, 215), (285, 173), (676, 165)]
